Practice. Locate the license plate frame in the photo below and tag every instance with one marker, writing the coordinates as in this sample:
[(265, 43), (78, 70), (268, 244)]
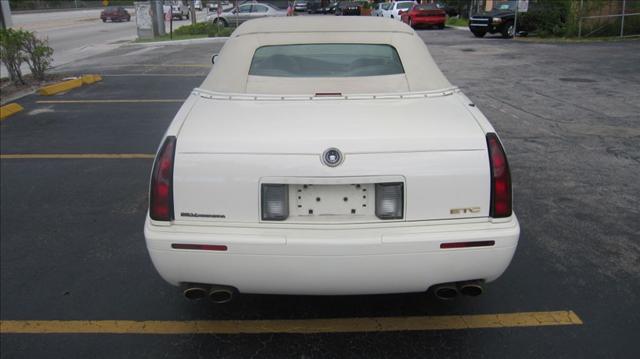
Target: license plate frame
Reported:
[(332, 200)]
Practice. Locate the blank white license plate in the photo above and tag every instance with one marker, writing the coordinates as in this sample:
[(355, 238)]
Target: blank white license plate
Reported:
[(332, 200)]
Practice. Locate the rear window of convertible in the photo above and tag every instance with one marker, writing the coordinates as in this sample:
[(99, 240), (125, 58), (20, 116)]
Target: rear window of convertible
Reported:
[(326, 60)]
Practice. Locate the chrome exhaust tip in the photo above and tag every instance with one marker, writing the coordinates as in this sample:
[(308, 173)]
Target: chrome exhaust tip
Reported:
[(445, 291), (471, 289), (194, 292), (221, 294)]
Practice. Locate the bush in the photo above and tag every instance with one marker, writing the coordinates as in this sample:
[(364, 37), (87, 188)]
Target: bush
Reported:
[(19, 46), (546, 18), (39, 55), (204, 28), (11, 53), (200, 28)]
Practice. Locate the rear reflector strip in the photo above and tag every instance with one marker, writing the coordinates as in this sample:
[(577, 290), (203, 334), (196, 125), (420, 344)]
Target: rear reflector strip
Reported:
[(204, 247), (467, 244)]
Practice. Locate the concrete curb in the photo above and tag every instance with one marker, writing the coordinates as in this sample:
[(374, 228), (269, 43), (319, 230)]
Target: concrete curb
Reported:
[(17, 95), (9, 109), (181, 42), (65, 86)]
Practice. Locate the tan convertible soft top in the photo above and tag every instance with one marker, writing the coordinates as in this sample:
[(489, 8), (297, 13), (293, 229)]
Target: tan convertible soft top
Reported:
[(230, 74)]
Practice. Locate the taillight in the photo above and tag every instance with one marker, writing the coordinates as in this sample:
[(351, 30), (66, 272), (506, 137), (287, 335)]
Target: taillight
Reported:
[(161, 192), (500, 178)]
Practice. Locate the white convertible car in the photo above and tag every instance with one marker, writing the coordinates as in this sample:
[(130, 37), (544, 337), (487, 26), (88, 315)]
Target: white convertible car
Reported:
[(329, 162)]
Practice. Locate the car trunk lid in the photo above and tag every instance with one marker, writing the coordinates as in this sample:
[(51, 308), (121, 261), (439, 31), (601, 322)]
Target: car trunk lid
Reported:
[(378, 125), (227, 149)]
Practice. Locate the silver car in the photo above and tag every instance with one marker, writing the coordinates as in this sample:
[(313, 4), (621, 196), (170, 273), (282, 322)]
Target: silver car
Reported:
[(245, 12)]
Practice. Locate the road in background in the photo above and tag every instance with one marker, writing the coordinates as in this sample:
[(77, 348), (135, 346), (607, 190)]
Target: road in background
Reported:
[(73, 249), (77, 34)]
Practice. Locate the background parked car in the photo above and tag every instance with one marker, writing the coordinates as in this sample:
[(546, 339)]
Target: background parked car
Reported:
[(333, 7), (424, 15), (247, 11), (197, 4), (318, 6), (379, 7), (213, 5), (348, 8), (393, 11), (498, 20), (114, 13), (300, 5), (179, 10), (450, 10)]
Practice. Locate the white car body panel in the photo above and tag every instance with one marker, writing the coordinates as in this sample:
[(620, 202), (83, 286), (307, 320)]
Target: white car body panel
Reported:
[(226, 151), (333, 261), (229, 143)]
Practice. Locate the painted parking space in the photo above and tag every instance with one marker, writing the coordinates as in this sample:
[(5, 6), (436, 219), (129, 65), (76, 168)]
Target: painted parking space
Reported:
[(306, 326)]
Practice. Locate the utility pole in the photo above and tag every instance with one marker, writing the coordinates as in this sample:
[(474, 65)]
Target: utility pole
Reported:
[(5, 15), (158, 17), (515, 20), (192, 9), (622, 20)]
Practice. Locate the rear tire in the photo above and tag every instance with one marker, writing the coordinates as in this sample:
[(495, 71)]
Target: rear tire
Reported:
[(479, 33), (220, 22), (441, 26), (104, 20)]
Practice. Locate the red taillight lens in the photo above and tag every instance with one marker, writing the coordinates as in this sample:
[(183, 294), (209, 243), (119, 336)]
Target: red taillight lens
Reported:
[(500, 178), (161, 192)]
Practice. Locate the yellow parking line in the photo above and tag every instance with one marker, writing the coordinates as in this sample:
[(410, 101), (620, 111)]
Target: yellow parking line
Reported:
[(304, 326), (111, 101), (76, 156)]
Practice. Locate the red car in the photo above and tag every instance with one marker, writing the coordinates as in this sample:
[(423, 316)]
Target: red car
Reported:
[(115, 13), (424, 14)]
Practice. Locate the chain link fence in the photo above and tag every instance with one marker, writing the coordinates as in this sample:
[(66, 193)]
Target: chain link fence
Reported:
[(610, 18), (567, 18)]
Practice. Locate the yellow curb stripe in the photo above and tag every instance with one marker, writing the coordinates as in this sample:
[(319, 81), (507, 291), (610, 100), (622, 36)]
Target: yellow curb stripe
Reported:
[(110, 101), (59, 87), (31, 156), (89, 79), (9, 109), (304, 326)]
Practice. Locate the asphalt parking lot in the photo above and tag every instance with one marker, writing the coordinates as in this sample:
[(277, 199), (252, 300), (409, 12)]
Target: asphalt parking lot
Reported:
[(74, 177)]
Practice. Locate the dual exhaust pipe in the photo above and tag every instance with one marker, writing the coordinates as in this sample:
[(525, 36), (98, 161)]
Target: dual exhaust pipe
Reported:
[(221, 294), (449, 291), (218, 294)]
